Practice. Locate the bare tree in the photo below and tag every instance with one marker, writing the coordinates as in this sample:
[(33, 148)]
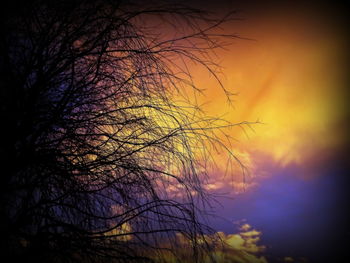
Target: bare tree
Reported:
[(101, 160)]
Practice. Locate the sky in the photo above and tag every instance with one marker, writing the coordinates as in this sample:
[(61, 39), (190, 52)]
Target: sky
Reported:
[(289, 75), (288, 71)]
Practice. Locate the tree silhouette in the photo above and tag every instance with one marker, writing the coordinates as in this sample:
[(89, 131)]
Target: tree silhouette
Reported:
[(100, 161)]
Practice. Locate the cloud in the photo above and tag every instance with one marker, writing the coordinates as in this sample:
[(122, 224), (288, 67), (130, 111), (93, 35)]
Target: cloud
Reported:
[(240, 247), (295, 260), (232, 175), (245, 227)]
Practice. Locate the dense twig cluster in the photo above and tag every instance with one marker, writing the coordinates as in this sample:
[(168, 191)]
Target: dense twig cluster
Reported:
[(94, 133)]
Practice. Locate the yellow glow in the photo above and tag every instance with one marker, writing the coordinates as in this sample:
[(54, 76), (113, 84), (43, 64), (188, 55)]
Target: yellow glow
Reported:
[(241, 247), (290, 79), (121, 233)]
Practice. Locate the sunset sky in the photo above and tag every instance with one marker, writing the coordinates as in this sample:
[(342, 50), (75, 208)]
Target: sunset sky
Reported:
[(291, 77), (148, 130)]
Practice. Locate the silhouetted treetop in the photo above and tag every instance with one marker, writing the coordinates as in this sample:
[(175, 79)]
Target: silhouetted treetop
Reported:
[(103, 150)]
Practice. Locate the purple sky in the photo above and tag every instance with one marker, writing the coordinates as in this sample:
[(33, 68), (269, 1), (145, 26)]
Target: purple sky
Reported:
[(298, 217)]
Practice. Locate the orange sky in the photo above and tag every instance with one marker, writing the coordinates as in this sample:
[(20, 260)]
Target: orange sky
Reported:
[(291, 78)]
